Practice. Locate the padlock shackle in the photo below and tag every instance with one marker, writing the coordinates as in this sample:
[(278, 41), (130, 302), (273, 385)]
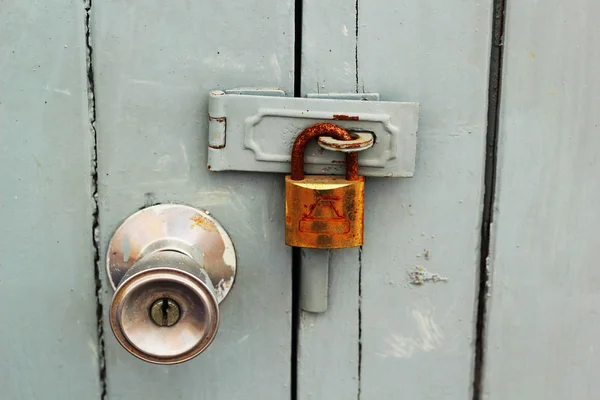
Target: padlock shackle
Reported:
[(313, 131)]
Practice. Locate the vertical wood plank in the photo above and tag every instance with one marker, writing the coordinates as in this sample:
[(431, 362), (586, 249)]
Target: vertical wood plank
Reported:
[(328, 342), (543, 329), (48, 339), (418, 339), (155, 63), (414, 339)]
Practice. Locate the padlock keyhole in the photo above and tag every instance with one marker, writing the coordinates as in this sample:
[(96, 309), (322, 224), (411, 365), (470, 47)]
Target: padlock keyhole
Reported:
[(165, 312)]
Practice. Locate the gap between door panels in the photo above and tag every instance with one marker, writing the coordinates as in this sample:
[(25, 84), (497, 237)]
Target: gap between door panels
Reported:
[(296, 257), (87, 9), (296, 252), (491, 158)]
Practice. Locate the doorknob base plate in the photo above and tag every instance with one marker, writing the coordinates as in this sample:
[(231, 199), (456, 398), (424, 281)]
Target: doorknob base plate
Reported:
[(178, 228)]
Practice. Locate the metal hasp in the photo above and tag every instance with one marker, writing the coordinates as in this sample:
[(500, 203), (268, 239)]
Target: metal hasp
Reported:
[(254, 130), (171, 265)]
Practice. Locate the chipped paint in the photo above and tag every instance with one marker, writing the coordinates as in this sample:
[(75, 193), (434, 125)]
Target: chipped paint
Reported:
[(217, 119), (420, 275), (222, 288), (229, 253)]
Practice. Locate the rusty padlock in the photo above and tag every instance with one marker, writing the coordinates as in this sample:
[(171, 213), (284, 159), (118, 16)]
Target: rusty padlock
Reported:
[(321, 211)]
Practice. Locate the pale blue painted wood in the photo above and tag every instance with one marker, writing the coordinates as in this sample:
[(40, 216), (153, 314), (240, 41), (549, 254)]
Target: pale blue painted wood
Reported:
[(328, 358), (48, 339), (155, 63), (418, 340), (328, 342), (543, 329)]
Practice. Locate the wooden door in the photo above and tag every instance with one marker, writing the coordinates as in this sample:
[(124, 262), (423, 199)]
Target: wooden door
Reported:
[(477, 278)]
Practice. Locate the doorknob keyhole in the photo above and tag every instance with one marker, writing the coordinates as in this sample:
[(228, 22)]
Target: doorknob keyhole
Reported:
[(165, 312), (165, 309)]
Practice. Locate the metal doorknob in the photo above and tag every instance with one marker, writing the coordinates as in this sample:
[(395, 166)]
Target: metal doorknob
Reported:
[(171, 265)]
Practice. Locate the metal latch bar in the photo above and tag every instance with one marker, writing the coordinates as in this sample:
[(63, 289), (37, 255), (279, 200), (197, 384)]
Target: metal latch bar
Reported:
[(254, 129)]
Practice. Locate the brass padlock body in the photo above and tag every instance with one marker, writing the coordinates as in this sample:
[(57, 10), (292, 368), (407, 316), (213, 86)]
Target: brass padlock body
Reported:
[(323, 212)]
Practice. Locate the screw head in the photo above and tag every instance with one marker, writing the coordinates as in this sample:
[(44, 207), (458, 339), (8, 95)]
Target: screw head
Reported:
[(164, 312)]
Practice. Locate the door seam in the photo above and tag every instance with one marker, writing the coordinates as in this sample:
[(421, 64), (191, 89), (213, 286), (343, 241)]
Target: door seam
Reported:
[(95, 208), (490, 171), (296, 251)]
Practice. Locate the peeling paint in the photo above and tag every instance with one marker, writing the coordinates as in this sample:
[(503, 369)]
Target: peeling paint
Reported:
[(420, 275), (222, 288)]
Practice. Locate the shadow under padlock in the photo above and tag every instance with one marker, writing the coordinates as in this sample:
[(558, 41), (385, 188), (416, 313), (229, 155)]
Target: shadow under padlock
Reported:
[(171, 266)]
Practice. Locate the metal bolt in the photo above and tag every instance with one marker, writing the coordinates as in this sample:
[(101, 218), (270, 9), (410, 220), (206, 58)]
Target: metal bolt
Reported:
[(164, 312)]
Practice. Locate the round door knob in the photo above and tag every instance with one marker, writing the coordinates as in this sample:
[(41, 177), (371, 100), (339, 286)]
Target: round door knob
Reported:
[(171, 266)]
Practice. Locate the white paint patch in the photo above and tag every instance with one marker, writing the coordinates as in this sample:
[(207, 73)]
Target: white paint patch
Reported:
[(430, 338), (66, 92), (244, 338), (214, 197), (345, 30), (349, 69), (163, 163), (93, 345), (145, 82), (161, 85), (185, 156), (225, 63), (276, 67)]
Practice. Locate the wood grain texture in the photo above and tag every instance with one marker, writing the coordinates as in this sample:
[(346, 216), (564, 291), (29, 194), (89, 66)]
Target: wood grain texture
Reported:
[(154, 64), (417, 340), (328, 359), (48, 337), (545, 290)]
